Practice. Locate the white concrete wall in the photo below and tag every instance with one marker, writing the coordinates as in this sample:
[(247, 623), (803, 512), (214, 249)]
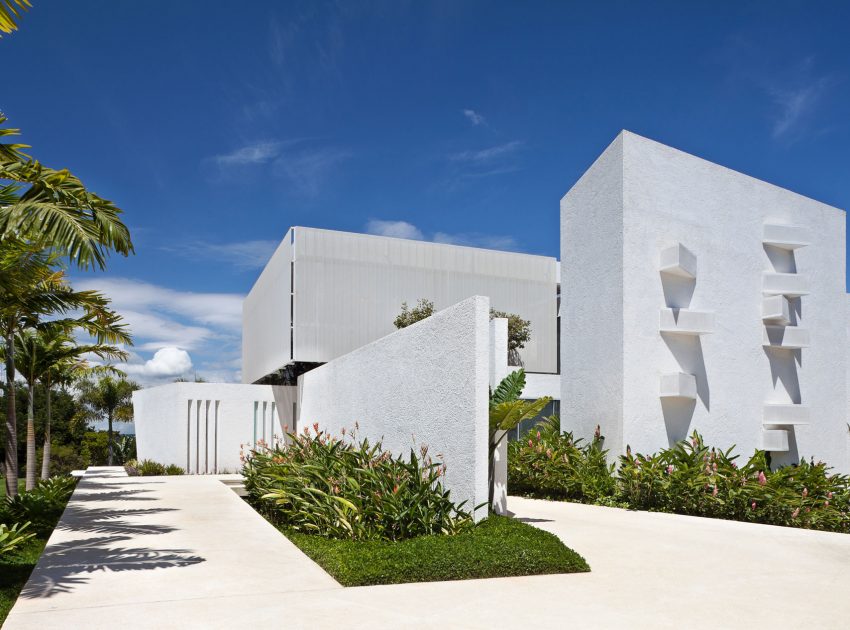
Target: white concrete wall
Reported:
[(423, 385), (201, 426), (670, 197), (592, 300)]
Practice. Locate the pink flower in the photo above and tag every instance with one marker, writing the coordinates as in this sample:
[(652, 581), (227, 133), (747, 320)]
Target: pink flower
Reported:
[(538, 435), (753, 505), (734, 465), (828, 495), (795, 513), (531, 442), (714, 466), (714, 492), (762, 479), (670, 469), (826, 503), (805, 492)]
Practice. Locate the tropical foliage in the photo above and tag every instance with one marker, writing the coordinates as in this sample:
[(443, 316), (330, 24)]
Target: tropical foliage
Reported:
[(412, 314), (351, 489), (107, 398), (14, 536), (10, 13), (687, 478), (41, 506)]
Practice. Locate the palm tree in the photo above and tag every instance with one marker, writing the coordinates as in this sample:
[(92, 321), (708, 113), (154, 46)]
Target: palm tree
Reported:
[(108, 397), (39, 353), (54, 208), (10, 12)]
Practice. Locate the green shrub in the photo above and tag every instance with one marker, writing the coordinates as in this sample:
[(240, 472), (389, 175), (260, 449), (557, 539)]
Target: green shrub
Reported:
[(173, 469), (43, 505), (149, 468), (350, 489), (554, 465), (687, 478), (64, 458), (12, 537), (691, 478)]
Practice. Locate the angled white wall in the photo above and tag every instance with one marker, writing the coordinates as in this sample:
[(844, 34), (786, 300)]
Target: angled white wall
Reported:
[(201, 426), (621, 225), (426, 384)]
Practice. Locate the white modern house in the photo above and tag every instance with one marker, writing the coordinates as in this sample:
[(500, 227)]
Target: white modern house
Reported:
[(688, 297)]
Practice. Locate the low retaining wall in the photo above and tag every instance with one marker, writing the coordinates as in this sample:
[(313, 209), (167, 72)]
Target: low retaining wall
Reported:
[(423, 385)]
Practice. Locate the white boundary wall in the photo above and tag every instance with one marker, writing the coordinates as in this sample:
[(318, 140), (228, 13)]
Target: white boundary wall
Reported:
[(423, 385), (201, 426)]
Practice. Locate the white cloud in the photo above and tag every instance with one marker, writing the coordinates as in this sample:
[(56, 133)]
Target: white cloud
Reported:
[(490, 154), (257, 153), (168, 362), (474, 117), (243, 255), (796, 104), (403, 229), (396, 229)]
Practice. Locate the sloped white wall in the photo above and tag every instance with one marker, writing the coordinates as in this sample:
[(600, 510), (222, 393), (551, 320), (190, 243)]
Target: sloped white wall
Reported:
[(423, 385)]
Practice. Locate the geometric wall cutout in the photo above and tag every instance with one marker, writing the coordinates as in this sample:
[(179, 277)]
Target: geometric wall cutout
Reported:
[(789, 337), (787, 284), (686, 322), (786, 236), (678, 261), (785, 414), (776, 310), (775, 440), (678, 385)]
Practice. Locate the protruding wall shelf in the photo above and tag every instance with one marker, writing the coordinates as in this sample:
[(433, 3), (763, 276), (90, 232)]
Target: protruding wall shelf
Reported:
[(776, 310), (686, 322), (678, 260), (788, 337), (775, 440), (785, 236), (678, 385), (787, 284), (782, 414)]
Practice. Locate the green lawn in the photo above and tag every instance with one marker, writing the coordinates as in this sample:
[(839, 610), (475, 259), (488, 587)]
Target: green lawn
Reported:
[(15, 569), (496, 547)]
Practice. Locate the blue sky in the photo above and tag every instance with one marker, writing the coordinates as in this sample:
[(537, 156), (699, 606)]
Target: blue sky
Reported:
[(216, 125)]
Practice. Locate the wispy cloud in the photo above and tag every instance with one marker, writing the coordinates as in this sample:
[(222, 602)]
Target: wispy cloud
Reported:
[(474, 117), (243, 255), (309, 169), (796, 104), (208, 325), (404, 229), (257, 153), (487, 155)]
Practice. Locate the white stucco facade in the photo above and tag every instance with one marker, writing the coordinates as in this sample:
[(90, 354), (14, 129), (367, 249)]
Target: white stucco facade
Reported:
[(201, 426), (426, 384), (698, 298)]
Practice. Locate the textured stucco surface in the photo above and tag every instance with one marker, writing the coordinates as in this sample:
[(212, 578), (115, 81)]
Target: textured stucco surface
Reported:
[(168, 431), (592, 300), (423, 385), (670, 197)]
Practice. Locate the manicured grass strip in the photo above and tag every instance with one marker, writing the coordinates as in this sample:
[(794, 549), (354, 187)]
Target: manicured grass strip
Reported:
[(496, 547), (15, 569)]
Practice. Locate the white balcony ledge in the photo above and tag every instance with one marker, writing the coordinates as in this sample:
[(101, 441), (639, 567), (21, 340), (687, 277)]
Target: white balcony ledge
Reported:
[(678, 260), (786, 236), (775, 440), (776, 310), (787, 284), (785, 414), (686, 322), (678, 385), (787, 337)]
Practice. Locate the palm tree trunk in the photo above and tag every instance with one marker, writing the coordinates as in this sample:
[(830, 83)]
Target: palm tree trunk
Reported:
[(109, 438), (11, 461), (30, 438), (45, 454)]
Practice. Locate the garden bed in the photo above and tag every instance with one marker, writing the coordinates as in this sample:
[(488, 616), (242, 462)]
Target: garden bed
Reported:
[(497, 547)]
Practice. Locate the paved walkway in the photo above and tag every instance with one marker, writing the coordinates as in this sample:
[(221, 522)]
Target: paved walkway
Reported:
[(186, 552)]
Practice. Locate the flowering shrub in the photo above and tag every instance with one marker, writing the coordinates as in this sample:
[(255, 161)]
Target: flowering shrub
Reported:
[(691, 478), (554, 465), (351, 489), (687, 478)]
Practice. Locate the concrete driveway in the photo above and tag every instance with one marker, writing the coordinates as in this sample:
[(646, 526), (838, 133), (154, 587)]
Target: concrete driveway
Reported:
[(186, 552)]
